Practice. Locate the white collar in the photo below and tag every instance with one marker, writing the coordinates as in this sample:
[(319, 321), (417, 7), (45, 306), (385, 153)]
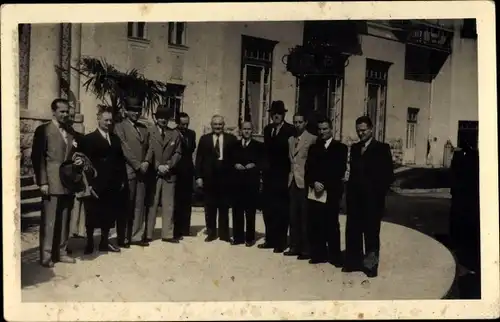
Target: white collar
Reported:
[(367, 143), (327, 142), (104, 134)]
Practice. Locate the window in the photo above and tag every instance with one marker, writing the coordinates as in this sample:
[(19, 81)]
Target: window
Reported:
[(177, 33), (136, 30), (411, 127), (255, 84), (174, 98), (376, 95)]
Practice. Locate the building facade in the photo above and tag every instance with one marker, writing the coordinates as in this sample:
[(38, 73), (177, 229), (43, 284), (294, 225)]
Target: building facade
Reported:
[(230, 68), (416, 79)]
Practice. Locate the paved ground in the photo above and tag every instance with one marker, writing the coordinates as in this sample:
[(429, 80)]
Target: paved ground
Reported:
[(413, 266)]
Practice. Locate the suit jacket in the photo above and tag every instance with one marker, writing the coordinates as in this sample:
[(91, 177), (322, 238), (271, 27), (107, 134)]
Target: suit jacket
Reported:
[(108, 160), (206, 159), (166, 151), (48, 152), (277, 160), (247, 180), (371, 173), (327, 166), (298, 157), (135, 144), (188, 146)]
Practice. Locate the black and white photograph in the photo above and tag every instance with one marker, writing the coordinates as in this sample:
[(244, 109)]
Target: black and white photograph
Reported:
[(243, 161)]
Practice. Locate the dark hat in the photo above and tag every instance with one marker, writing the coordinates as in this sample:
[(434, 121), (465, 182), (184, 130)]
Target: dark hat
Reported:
[(71, 177), (163, 112), (277, 107), (133, 104)]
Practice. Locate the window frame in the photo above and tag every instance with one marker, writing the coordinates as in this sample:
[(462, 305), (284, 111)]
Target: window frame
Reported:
[(133, 28), (172, 28), (265, 61), (174, 92)]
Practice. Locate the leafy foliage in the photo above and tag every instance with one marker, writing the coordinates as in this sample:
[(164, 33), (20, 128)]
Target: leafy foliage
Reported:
[(111, 86)]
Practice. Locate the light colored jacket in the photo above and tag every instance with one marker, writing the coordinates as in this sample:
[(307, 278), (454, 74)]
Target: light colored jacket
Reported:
[(134, 143), (48, 152), (298, 157), (165, 151)]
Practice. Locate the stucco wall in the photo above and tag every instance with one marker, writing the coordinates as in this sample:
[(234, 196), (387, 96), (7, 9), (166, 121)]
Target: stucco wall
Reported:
[(211, 69)]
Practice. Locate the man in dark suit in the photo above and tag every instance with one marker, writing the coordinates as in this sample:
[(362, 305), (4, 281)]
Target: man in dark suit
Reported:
[(165, 151), (213, 170), (325, 168), (52, 145), (103, 148), (246, 161), (134, 138), (275, 178), (370, 177), (185, 178)]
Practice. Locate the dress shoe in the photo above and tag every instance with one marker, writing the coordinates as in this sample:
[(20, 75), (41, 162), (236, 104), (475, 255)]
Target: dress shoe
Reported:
[(337, 262), (109, 248), (67, 259), (350, 269), (279, 250), (317, 261), (265, 245), (249, 243), (209, 239), (47, 263), (149, 240), (291, 252), (124, 245), (180, 237), (141, 243), (237, 242), (371, 272), (170, 240), (302, 257), (89, 249), (226, 239)]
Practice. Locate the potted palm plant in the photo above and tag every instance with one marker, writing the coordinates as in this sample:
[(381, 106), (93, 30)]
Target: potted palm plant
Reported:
[(111, 86)]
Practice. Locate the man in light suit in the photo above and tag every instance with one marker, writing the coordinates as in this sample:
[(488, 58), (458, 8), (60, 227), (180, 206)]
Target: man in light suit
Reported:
[(298, 149), (213, 170), (165, 152), (52, 145), (134, 137)]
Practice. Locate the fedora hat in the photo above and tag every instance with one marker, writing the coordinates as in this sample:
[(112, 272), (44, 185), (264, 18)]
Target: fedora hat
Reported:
[(277, 107), (163, 112), (71, 178), (133, 103)]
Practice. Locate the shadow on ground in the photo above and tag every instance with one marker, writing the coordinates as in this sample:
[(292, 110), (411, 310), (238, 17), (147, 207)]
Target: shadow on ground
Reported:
[(423, 178), (195, 230)]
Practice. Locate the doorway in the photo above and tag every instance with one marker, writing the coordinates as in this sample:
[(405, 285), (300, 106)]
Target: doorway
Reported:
[(468, 134), (411, 135), (322, 96)]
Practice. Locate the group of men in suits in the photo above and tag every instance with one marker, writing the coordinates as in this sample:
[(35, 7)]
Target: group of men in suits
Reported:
[(151, 168), (304, 181), (134, 170)]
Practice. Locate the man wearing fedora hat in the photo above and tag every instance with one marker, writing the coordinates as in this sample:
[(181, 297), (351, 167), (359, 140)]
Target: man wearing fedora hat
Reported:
[(275, 178), (165, 153), (134, 137)]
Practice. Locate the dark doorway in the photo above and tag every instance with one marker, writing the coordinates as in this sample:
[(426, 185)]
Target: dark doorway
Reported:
[(321, 96), (468, 134)]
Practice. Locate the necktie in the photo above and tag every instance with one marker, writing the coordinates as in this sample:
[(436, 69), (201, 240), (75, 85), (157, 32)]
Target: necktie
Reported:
[(297, 139), (162, 135), (363, 149), (107, 138), (217, 147)]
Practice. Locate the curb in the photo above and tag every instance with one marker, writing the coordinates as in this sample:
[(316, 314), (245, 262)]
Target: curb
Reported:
[(445, 191)]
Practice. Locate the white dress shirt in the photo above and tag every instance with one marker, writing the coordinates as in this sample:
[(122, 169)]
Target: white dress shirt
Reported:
[(327, 142), (61, 130), (221, 144), (104, 135)]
